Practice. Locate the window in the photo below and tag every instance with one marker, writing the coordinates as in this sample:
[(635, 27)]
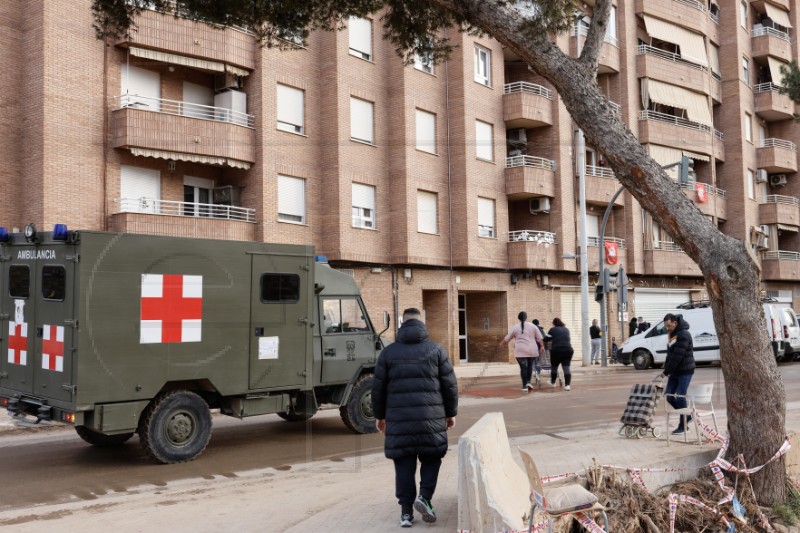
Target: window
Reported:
[(363, 206), (423, 62), (483, 141), (426, 131), (54, 282), (361, 120), (611, 29), (343, 316), (198, 101), (197, 196), (360, 38), (291, 109), (743, 13), (748, 127), (291, 199), (19, 281), (140, 189), (483, 66), (427, 212), (486, 217), (746, 70), (280, 288), (751, 193)]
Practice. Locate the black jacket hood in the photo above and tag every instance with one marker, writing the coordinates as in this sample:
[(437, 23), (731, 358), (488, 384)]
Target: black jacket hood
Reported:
[(412, 331)]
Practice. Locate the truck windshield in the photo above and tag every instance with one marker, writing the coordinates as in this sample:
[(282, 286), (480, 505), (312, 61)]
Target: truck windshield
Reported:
[(342, 315)]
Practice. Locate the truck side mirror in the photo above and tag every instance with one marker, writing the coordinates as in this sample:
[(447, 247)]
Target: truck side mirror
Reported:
[(387, 319)]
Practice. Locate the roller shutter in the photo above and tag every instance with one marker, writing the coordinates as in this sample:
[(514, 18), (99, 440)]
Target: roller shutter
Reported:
[(653, 304)]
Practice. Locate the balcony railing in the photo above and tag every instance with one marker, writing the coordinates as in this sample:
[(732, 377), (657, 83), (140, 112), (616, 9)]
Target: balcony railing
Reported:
[(758, 32), (186, 109), (526, 87), (530, 161), (781, 254), (539, 237), (174, 9), (719, 135), (692, 3), (645, 49), (600, 172), (710, 189), (185, 209), (778, 143), (579, 29), (714, 17), (780, 199), (766, 87), (664, 246), (663, 117), (595, 241), (616, 107)]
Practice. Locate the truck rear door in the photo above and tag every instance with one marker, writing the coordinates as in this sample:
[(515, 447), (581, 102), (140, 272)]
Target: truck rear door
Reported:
[(18, 322), (280, 321)]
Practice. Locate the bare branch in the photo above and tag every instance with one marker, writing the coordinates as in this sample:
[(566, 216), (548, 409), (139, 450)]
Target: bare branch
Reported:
[(597, 32)]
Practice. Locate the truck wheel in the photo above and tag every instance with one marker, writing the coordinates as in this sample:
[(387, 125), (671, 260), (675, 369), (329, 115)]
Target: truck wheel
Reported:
[(100, 439), (642, 360), (295, 417), (357, 413), (175, 427)]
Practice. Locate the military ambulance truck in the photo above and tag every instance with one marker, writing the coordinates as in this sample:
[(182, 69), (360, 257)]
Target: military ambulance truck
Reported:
[(118, 334)]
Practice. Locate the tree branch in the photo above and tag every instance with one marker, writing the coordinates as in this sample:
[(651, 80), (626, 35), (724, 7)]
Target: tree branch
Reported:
[(597, 32)]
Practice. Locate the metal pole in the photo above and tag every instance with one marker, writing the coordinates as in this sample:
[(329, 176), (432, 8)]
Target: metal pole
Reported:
[(586, 347), (602, 245)]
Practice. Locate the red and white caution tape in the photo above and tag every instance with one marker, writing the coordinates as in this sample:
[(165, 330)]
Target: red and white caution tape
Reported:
[(673, 508), (589, 524)]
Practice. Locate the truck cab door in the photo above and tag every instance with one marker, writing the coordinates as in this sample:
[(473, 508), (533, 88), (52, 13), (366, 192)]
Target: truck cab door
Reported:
[(17, 309), (280, 321), (347, 338)]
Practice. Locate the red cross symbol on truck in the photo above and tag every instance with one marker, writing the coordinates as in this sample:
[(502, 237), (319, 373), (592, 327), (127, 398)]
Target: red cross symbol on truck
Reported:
[(17, 343), (53, 348), (172, 308)]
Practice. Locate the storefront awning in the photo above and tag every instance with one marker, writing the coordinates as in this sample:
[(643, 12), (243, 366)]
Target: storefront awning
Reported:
[(191, 158), (695, 104), (778, 15), (693, 48)]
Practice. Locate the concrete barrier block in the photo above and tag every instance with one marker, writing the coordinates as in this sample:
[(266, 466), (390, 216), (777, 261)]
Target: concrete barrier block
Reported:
[(493, 491)]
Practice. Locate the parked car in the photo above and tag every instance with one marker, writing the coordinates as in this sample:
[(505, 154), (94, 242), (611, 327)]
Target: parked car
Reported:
[(791, 332)]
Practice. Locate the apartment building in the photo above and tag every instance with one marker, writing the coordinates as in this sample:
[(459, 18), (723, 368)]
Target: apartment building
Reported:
[(448, 187)]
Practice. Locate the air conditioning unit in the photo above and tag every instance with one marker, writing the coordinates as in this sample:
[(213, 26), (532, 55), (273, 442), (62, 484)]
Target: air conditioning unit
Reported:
[(227, 195), (517, 136), (761, 176), (226, 80), (777, 180), (539, 205), (764, 229)]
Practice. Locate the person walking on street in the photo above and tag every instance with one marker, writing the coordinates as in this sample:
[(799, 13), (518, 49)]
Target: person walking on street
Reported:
[(643, 326), (415, 402), (560, 352), (528, 343), (595, 334), (633, 327), (679, 366)]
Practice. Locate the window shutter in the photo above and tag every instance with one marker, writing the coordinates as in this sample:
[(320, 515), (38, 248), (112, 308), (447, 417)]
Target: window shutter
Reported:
[(363, 196), (199, 96), (361, 121), (361, 35), (291, 107), (292, 198), (426, 131), (486, 212), (142, 86), (483, 140), (426, 212), (592, 226), (139, 187), (201, 183)]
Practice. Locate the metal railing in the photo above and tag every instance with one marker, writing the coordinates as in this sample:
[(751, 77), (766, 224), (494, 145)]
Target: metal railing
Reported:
[(781, 254), (529, 235), (153, 206), (646, 49), (186, 109), (692, 3), (616, 107), (758, 32), (719, 135), (714, 17), (780, 199), (766, 87), (593, 240), (527, 87), (710, 189), (600, 172), (174, 10), (583, 31), (663, 246), (530, 161), (778, 143), (646, 114)]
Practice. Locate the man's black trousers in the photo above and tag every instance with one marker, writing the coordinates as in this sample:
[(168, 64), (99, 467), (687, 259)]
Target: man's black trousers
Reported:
[(405, 470)]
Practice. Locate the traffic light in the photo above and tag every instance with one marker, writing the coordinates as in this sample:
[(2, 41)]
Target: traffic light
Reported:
[(598, 293), (622, 288), (687, 169), (609, 280)]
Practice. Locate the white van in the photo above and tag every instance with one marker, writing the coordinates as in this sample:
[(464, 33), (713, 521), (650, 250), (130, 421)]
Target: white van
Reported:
[(649, 348)]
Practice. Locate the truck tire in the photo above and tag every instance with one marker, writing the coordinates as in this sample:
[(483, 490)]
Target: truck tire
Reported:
[(100, 439), (357, 412), (175, 427), (642, 360)]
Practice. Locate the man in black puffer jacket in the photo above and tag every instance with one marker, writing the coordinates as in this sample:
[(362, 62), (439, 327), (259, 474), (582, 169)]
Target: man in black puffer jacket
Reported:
[(415, 401), (679, 366)]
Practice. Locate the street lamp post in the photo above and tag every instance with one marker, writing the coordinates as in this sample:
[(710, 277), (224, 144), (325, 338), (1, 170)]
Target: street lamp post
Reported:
[(585, 340)]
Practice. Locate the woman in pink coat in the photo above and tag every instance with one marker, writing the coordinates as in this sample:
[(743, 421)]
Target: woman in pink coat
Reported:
[(527, 343)]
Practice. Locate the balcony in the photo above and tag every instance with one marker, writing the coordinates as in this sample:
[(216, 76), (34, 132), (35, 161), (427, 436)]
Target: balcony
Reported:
[(187, 38), (771, 42), (527, 105), (777, 209), (528, 176), (593, 256), (690, 14), (780, 265), (149, 216), (668, 130), (716, 203), (771, 105), (719, 145), (671, 68), (716, 88), (608, 60), (777, 155), (601, 184), (665, 258), (532, 250), (181, 131)]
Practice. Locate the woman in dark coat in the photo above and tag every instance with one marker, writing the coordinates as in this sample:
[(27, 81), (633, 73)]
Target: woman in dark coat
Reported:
[(560, 352), (633, 327)]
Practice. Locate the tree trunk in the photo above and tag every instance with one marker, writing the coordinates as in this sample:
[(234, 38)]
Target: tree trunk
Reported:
[(754, 390)]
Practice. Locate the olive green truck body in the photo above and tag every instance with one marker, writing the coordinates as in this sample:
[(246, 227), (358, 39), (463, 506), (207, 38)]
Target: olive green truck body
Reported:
[(119, 333)]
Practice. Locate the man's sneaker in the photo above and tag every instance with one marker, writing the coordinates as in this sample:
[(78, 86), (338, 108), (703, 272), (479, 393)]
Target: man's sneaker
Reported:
[(678, 431), (425, 508), (406, 520), (567, 388), (529, 386), (524, 389)]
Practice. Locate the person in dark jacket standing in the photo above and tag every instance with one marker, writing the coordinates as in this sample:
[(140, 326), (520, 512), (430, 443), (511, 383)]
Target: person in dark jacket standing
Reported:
[(679, 365), (633, 327), (415, 402), (643, 326), (560, 352)]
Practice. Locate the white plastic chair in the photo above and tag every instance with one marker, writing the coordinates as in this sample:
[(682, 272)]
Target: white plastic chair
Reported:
[(698, 396), (558, 501)]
